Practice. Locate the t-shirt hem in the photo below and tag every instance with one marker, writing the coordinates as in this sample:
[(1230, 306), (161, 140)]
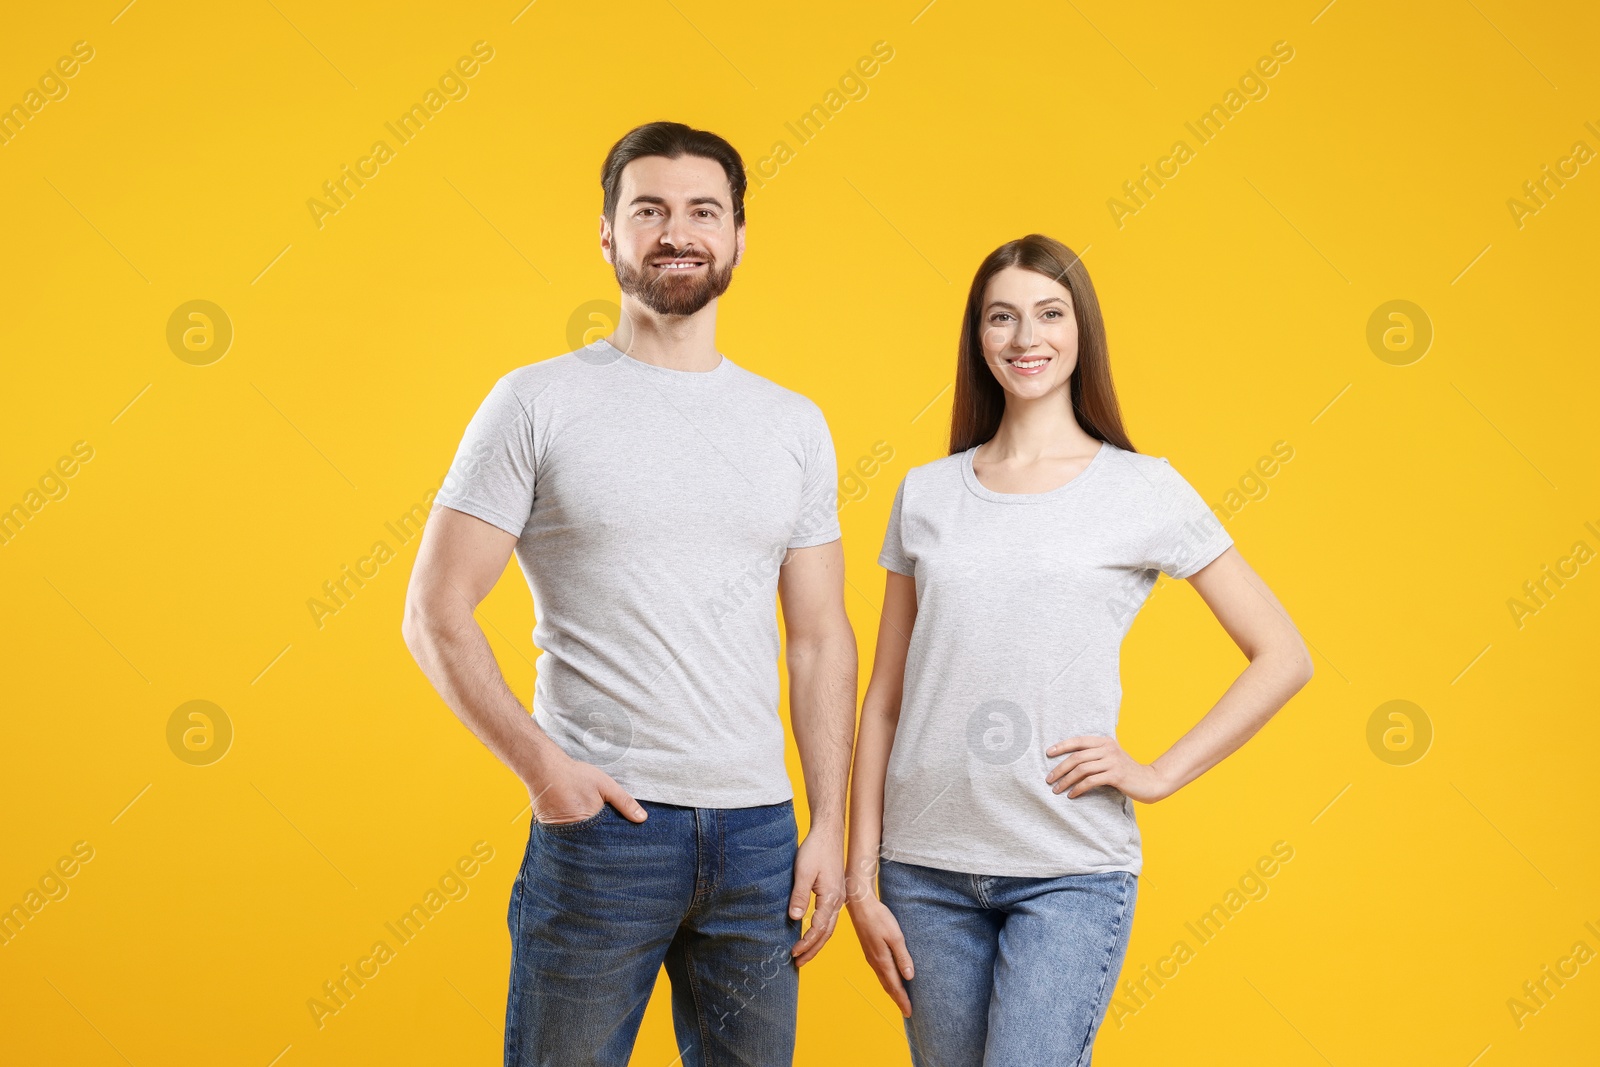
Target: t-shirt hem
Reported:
[(479, 511), (898, 566), (1206, 559), (812, 540), (1007, 870), (707, 798)]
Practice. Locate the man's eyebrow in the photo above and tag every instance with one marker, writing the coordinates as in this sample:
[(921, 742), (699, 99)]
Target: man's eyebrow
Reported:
[(646, 198)]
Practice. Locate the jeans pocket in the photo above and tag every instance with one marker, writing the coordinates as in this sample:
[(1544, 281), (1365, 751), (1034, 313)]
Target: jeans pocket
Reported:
[(580, 824)]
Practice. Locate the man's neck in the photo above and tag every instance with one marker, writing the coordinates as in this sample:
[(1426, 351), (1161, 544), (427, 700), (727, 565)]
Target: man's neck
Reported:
[(677, 342)]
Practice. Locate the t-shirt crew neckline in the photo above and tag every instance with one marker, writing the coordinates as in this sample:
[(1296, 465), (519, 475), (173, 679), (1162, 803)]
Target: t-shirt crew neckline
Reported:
[(717, 373), (970, 476)]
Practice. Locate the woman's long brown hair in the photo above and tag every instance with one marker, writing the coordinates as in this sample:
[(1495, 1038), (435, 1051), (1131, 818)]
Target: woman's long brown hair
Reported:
[(980, 400)]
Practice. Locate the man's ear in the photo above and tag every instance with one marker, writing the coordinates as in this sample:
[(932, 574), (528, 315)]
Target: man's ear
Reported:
[(605, 239), (738, 244)]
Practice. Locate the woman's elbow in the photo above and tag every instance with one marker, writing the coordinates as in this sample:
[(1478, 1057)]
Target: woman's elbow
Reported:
[(1301, 663)]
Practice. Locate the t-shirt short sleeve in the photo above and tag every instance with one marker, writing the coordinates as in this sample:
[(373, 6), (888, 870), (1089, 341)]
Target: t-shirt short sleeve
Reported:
[(893, 556), (1187, 534), (819, 491), (493, 474)]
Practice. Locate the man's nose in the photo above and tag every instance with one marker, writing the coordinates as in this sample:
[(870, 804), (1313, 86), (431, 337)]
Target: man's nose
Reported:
[(676, 235)]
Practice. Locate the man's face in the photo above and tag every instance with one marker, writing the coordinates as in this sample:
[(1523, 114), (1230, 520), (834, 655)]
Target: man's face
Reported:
[(673, 244)]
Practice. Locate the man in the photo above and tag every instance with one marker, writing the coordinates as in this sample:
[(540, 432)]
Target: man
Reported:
[(658, 498)]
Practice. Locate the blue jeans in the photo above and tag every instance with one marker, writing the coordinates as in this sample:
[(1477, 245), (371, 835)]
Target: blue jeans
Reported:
[(1010, 972), (601, 904)]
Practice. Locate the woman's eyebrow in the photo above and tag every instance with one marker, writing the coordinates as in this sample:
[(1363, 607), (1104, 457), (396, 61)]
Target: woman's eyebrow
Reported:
[(1036, 303)]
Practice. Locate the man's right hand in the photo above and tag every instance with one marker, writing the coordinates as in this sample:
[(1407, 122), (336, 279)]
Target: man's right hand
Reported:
[(569, 790)]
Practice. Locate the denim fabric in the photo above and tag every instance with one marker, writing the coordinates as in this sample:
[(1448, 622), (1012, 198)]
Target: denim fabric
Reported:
[(1010, 972), (600, 905)]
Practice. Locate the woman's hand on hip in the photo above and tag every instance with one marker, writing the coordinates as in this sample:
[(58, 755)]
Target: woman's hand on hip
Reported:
[(1095, 761)]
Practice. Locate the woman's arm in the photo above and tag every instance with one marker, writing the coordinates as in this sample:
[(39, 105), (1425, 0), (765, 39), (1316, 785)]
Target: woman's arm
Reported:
[(880, 713), (1279, 667), (876, 928)]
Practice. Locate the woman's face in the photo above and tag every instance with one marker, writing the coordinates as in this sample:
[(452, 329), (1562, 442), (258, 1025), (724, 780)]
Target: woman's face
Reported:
[(1029, 332)]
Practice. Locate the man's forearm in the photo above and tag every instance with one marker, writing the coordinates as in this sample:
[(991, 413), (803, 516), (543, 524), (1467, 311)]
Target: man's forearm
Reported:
[(455, 656), (822, 703)]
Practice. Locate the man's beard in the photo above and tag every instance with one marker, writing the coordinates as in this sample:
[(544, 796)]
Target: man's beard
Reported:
[(665, 293)]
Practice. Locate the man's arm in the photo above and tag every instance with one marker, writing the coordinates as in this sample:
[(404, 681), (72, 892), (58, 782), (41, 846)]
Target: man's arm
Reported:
[(821, 654), (458, 562)]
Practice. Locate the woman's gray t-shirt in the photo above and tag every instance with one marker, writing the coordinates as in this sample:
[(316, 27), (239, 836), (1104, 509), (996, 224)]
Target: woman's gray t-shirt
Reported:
[(1023, 600)]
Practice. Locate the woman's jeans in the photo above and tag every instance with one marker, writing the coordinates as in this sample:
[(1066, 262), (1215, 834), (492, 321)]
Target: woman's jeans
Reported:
[(1010, 972), (601, 904)]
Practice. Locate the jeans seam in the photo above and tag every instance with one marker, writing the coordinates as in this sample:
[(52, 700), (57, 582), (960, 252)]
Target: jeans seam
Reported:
[(514, 1022), (721, 872), (565, 827), (701, 894), (1105, 977), (699, 1010)]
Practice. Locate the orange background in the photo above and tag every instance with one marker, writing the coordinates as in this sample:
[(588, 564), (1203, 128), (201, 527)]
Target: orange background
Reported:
[(1426, 486)]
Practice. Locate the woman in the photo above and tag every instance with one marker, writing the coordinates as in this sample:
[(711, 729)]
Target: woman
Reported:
[(990, 797)]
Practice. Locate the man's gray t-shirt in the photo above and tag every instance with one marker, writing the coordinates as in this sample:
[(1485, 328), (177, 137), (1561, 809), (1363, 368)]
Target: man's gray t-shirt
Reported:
[(653, 508), (1022, 604)]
